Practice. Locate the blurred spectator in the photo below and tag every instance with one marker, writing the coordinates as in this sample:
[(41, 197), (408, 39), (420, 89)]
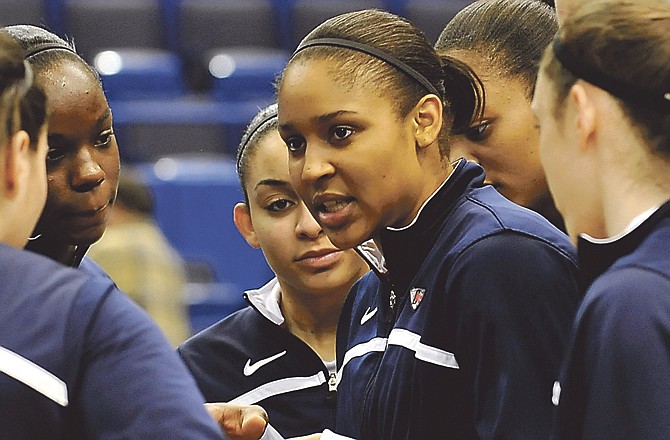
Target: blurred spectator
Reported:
[(138, 257)]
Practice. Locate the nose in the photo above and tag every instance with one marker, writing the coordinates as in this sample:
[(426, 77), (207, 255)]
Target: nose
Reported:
[(315, 166), (87, 173), (307, 226)]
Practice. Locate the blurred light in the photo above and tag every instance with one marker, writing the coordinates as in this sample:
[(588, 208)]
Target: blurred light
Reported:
[(165, 168), (108, 62), (221, 66)]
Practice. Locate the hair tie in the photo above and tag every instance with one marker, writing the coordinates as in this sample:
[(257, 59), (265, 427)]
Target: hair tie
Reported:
[(372, 51), (47, 46), (253, 129), (646, 98)]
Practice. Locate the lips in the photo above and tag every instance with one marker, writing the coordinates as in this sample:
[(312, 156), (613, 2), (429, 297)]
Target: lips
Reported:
[(319, 259), (91, 217), (333, 211)]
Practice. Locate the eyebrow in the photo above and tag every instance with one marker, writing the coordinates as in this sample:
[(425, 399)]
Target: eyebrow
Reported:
[(104, 116), (322, 118), (272, 182), (98, 123)]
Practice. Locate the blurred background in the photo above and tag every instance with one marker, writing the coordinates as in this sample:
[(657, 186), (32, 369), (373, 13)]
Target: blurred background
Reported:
[(183, 78)]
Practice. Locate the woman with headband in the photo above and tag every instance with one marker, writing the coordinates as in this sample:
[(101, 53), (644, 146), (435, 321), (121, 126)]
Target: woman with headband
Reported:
[(459, 331), (83, 160), (280, 350), (78, 358), (603, 103)]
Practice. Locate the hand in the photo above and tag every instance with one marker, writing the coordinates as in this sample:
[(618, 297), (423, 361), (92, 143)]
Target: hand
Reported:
[(239, 422)]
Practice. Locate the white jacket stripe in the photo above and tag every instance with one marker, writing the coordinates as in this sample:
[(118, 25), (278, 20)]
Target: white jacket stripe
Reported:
[(280, 386), (34, 376)]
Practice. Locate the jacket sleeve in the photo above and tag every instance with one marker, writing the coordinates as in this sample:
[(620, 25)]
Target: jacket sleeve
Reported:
[(133, 384), (517, 297)]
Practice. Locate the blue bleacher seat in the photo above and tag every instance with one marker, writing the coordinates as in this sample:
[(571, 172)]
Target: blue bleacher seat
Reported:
[(204, 25), (24, 12), (194, 207), (431, 16), (133, 73), (307, 14), (147, 130), (245, 73), (97, 25)]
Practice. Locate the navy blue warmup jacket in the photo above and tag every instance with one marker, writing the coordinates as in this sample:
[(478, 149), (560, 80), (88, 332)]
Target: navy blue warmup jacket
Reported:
[(615, 382), (79, 360), (249, 358), (460, 333)]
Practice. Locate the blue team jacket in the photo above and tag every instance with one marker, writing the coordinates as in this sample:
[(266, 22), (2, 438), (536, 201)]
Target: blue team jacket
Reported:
[(460, 332), (615, 381), (78, 360)]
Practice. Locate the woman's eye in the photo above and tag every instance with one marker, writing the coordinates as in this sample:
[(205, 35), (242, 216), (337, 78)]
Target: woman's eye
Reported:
[(104, 138), (295, 144), (55, 154), (340, 133), (479, 132), (279, 205)]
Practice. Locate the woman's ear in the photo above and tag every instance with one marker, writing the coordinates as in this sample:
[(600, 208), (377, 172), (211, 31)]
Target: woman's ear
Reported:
[(16, 162), (580, 97), (427, 120), (242, 220)]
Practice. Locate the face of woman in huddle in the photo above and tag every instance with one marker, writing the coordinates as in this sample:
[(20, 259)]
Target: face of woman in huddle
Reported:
[(278, 222), (505, 142), (570, 172), (83, 158), (352, 157)]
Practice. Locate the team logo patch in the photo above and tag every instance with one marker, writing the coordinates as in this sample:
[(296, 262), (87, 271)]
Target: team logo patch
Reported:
[(415, 296)]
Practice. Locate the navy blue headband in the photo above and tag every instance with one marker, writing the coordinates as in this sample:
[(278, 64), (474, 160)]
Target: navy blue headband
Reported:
[(47, 46), (651, 99), (253, 130), (372, 51)]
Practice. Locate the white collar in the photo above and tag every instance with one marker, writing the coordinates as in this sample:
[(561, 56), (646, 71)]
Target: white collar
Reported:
[(266, 301), (632, 225)]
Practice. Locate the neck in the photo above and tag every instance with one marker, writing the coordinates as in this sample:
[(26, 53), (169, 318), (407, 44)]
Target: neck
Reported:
[(631, 193), (58, 251), (547, 209), (313, 319)]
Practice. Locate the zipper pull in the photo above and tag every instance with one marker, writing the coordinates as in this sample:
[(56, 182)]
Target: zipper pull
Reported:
[(390, 314), (332, 389), (332, 382)]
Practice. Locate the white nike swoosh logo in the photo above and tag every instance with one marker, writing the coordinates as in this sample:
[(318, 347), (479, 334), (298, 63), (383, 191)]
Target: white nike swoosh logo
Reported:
[(368, 314), (250, 368)]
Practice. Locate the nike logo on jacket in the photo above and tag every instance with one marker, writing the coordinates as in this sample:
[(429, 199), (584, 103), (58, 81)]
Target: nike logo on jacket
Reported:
[(250, 368)]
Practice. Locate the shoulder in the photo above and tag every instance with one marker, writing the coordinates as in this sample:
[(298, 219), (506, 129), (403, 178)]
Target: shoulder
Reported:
[(90, 267), (243, 328), (29, 277), (625, 299), (505, 273), (512, 254)]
